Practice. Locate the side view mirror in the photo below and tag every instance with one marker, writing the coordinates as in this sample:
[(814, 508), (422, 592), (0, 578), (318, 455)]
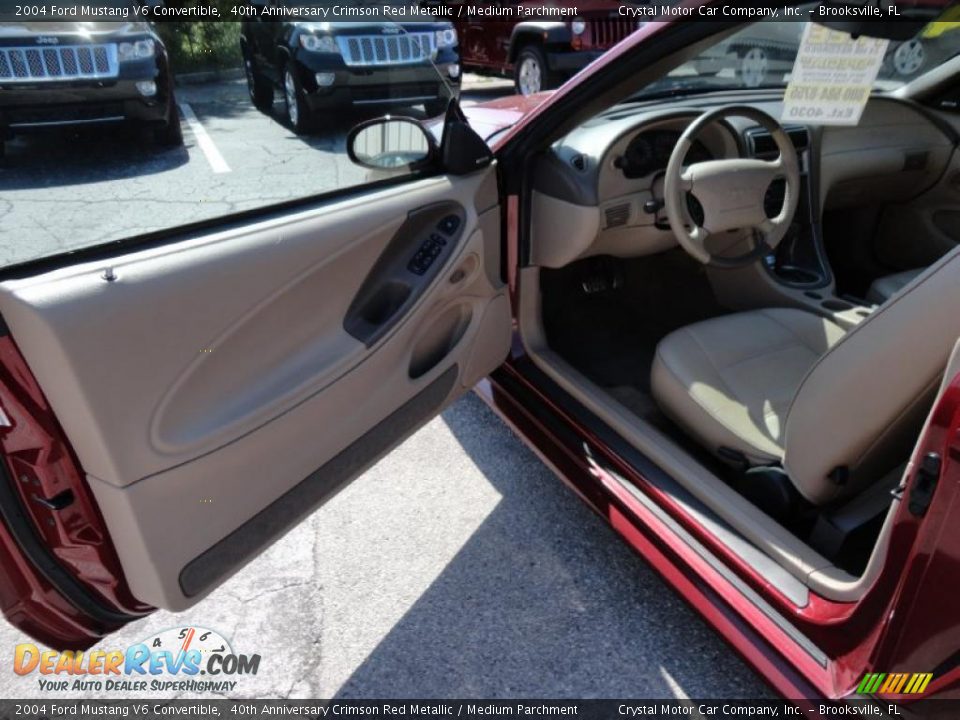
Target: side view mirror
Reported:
[(392, 143)]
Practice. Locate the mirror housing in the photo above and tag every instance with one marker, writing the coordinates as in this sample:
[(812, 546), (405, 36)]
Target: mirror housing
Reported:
[(462, 150), (392, 143), (896, 20)]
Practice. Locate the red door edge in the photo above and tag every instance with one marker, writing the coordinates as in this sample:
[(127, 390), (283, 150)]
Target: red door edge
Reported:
[(656, 549), (923, 632), (63, 584), (870, 616)]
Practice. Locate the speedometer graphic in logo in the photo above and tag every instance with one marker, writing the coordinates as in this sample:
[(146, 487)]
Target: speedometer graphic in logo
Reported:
[(176, 640)]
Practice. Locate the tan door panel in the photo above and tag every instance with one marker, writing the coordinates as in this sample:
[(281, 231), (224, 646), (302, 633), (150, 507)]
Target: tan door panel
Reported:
[(218, 390)]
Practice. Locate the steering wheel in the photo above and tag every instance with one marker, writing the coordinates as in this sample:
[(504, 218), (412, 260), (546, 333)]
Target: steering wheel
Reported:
[(731, 191)]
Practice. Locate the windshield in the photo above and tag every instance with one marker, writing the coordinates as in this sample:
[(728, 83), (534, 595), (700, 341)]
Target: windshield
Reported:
[(762, 55)]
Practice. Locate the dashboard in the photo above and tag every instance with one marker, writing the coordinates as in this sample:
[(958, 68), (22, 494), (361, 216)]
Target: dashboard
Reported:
[(649, 151), (594, 188), (597, 191)]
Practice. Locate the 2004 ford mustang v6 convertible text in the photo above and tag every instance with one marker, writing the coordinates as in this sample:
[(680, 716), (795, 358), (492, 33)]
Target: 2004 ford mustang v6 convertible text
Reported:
[(736, 340)]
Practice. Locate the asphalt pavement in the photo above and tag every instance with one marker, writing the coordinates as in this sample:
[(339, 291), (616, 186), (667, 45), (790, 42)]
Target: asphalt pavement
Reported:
[(70, 189), (459, 566)]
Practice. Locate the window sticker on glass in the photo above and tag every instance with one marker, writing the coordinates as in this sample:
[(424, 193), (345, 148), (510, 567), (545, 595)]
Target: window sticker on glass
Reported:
[(832, 77)]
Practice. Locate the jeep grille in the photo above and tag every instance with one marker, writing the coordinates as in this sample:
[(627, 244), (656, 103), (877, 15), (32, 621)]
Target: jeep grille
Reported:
[(607, 33), (359, 50), (67, 62)]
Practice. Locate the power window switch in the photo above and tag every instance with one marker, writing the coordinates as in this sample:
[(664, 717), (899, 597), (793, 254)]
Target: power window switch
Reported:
[(449, 225), (419, 263)]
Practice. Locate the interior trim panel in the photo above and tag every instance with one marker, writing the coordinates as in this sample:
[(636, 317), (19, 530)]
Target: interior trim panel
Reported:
[(284, 513), (209, 377)]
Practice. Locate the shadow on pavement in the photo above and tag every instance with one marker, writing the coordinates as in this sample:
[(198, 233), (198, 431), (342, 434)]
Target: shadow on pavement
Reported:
[(601, 623), (224, 99), (77, 157)]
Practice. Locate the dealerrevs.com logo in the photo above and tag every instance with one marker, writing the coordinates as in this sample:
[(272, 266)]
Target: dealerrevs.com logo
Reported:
[(190, 659)]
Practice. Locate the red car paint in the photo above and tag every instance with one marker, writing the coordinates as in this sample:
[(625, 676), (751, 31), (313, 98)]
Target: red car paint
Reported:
[(490, 117), (904, 623), (608, 58), (41, 469), (857, 637)]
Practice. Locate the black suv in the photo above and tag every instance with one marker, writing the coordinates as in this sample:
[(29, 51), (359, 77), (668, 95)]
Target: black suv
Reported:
[(323, 67), (63, 74)]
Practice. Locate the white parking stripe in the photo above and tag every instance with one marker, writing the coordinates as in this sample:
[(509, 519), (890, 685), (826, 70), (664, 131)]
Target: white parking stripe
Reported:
[(217, 163)]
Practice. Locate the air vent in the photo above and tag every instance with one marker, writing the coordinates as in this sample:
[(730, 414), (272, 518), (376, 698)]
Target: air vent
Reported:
[(762, 144), (579, 162), (617, 215)]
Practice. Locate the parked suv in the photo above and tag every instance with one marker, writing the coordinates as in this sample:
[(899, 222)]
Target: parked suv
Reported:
[(322, 67), (539, 54), (72, 73), (764, 55)]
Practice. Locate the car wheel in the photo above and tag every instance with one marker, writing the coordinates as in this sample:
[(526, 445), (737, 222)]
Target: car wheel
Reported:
[(261, 91), (169, 134), (531, 73), (298, 114), (909, 58), (754, 68)]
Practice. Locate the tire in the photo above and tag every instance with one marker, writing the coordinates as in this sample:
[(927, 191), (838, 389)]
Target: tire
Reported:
[(169, 134), (753, 68), (297, 110), (435, 107), (531, 74), (260, 89)]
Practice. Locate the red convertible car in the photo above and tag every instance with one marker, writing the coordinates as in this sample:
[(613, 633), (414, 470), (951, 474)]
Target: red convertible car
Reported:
[(736, 340)]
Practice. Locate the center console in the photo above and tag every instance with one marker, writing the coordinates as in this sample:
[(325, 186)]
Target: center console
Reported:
[(798, 260), (796, 273)]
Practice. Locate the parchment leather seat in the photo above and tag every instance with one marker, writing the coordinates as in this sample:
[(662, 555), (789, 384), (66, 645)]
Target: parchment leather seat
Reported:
[(730, 380), (837, 409), (884, 288)]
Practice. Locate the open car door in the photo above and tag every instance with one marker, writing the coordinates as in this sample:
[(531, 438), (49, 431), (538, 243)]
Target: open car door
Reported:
[(217, 386)]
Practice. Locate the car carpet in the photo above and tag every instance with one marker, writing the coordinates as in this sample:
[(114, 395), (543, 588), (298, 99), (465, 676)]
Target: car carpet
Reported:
[(611, 335)]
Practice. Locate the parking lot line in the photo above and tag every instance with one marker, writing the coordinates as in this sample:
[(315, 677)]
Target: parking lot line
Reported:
[(210, 152)]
